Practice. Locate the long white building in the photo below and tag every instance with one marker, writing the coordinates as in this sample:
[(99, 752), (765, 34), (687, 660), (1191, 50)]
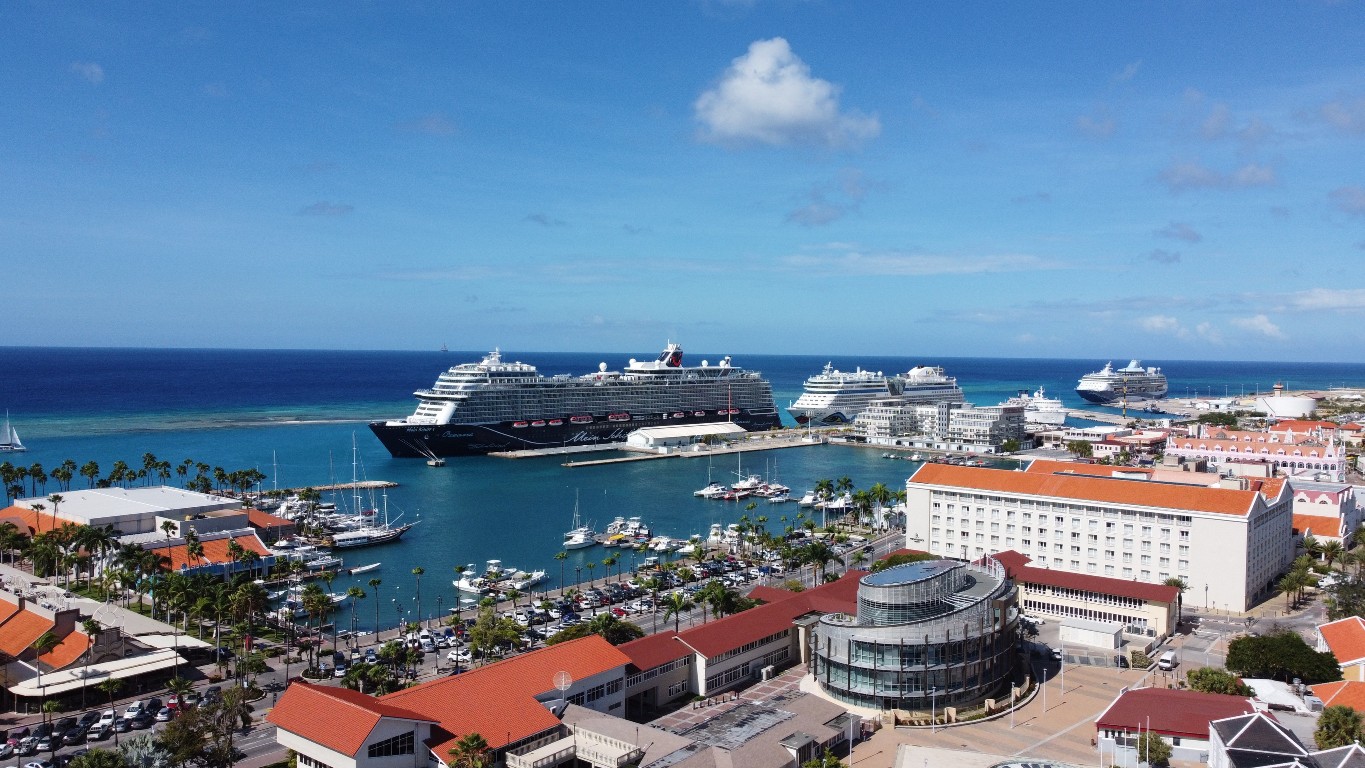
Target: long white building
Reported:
[(1229, 543)]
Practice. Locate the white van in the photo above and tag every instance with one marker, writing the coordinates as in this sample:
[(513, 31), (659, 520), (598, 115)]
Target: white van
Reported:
[(1167, 661)]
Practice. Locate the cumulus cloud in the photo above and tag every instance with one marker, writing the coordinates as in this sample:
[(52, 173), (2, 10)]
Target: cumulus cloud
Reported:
[(1164, 324), (768, 96), (434, 124), (1179, 230), (1186, 175), (326, 208), (1350, 199), (1259, 324), (1101, 125), (1332, 299), (1209, 332), (1164, 257), (545, 220), (1346, 115), (89, 71)]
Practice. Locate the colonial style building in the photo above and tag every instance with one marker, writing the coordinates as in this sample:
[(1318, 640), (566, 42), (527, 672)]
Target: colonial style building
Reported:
[(1285, 452), (1110, 522)]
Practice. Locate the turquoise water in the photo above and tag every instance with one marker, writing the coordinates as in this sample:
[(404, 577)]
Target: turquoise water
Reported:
[(293, 416)]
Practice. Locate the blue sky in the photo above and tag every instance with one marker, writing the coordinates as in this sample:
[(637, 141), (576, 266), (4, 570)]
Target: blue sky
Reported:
[(1155, 180)]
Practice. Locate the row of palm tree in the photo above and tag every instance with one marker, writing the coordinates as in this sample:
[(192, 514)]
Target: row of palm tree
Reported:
[(205, 478)]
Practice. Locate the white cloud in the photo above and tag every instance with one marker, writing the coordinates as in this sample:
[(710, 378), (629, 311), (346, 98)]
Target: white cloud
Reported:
[(1209, 332), (1347, 116), (434, 124), (914, 264), (1179, 230), (325, 208), (1350, 199), (89, 70), (1127, 73), (1164, 324), (1259, 324), (1100, 126), (1185, 175), (1336, 299), (768, 96)]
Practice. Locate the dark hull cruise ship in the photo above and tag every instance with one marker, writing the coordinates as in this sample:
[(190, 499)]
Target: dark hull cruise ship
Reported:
[(492, 405)]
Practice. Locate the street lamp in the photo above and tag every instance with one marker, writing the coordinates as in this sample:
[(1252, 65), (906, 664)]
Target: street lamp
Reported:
[(1206, 597), (440, 613), (933, 709), (577, 574)]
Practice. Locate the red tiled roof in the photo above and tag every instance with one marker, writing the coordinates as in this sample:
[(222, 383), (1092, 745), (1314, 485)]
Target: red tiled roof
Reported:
[(337, 718), (654, 650), (34, 521), (1318, 524), (1085, 488), (1345, 637), (1343, 693), (497, 701), (258, 519), (7, 609), (1171, 711), (1016, 565), (67, 651), (17, 634), (215, 551), (1299, 425), (721, 635)]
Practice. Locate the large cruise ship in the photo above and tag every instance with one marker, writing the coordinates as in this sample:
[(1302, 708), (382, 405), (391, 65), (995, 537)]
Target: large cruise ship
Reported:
[(1132, 383), (1039, 409), (837, 397), (494, 405)]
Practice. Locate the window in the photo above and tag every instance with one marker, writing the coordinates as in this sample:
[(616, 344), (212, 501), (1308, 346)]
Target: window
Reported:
[(677, 688), (1184, 565), (402, 744)]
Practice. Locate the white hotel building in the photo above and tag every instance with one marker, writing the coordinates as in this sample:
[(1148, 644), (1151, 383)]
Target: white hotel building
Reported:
[(1229, 543)]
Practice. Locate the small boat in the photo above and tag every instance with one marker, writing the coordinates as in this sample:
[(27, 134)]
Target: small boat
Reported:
[(735, 495), (780, 498), (712, 491), (538, 423), (679, 415), (618, 417), (9, 439), (579, 536), (580, 419), (915, 457), (365, 568), (556, 422), (436, 462), (519, 424), (699, 413)]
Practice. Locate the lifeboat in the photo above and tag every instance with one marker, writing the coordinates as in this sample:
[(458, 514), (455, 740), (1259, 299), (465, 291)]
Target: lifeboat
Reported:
[(556, 422), (538, 423), (618, 417), (580, 419), (518, 424)]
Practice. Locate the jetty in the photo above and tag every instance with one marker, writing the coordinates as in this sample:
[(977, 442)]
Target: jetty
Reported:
[(362, 484), (765, 442)]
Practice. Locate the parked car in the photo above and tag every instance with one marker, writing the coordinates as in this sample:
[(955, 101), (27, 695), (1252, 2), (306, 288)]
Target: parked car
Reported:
[(75, 736), (27, 746), (100, 731), (164, 715), (122, 725), (213, 693), (48, 743), (459, 655), (6, 750), (143, 721), (89, 718)]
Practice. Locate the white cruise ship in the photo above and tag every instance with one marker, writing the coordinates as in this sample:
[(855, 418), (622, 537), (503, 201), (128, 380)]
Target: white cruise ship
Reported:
[(1132, 383), (1039, 408), (837, 397)]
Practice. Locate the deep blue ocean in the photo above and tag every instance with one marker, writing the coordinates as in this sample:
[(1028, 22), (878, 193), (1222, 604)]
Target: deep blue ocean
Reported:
[(293, 414)]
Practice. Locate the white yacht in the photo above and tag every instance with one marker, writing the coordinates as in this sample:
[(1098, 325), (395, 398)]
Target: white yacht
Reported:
[(837, 397), (712, 491), (1039, 408), (1129, 384), (9, 439)]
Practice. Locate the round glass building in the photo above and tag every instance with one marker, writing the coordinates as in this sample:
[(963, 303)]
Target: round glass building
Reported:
[(931, 633)]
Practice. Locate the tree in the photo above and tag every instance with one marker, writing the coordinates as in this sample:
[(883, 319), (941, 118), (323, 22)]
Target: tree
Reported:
[(1181, 585), (1281, 655), (145, 751), (374, 587), (1331, 550), (895, 560), (612, 629), (492, 631), (1217, 680), (826, 760), (99, 758), (1153, 750), (44, 643), (675, 605), (471, 751), (1080, 448), (417, 572), (1337, 727)]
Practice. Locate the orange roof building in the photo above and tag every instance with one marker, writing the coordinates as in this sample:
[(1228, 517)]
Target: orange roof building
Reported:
[(1345, 638), (1343, 693), (508, 703), (1284, 449), (218, 552), (1067, 518)]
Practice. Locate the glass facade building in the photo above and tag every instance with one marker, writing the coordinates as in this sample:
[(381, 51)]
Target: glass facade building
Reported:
[(932, 633)]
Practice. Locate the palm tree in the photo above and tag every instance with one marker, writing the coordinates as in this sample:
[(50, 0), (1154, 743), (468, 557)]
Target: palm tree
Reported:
[(168, 528), (1331, 550), (561, 556), (418, 571), (44, 643), (471, 751), (374, 587), (1312, 546), (675, 605), (590, 565), (1180, 585), (818, 554), (356, 594), (1288, 584), (110, 687)]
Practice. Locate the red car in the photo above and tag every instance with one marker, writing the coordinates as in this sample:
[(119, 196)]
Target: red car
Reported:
[(619, 612)]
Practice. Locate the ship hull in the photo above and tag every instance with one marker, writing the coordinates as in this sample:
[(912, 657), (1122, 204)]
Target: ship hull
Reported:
[(417, 441), (1112, 396)]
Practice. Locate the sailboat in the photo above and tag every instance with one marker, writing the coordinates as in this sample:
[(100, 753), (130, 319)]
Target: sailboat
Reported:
[(579, 536), (370, 532), (713, 490), (9, 439)]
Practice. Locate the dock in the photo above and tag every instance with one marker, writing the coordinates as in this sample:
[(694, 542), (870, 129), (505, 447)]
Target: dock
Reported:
[(768, 442), (364, 485)]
